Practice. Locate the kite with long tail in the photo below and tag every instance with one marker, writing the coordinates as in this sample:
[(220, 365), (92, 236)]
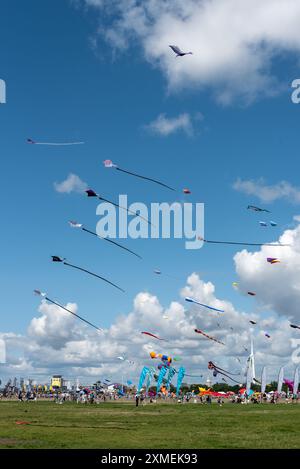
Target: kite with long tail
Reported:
[(294, 326), (242, 243), (91, 193), (56, 144), (44, 295), (217, 370), (191, 300), (152, 335), (208, 336), (75, 224), (63, 261), (257, 209), (110, 164)]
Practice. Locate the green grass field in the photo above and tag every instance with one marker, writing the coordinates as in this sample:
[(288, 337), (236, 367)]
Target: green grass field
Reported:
[(122, 425)]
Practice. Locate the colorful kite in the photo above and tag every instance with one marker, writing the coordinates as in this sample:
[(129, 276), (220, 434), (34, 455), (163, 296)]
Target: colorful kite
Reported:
[(152, 335), (38, 292), (63, 261), (191, 300), (110, 164), (273, 260), (33, 142), (74, 224), (208, 336)]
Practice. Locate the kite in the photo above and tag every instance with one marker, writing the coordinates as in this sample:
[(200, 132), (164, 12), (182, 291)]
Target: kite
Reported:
[(267, 335), (272, 260), (179, 52), (74, 224), (250, 293), (110, 164), (294, 326), (257, 209), (44, 295), (59, 259), (91, 193), (253, 322), (191, 300), (33, 142), (263, 223), (217, 370), (152, 335), (273, 223), (186, 191), (241, 243), (208, 336)]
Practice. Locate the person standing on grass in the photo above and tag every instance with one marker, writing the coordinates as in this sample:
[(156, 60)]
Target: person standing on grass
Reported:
[(137, 399)]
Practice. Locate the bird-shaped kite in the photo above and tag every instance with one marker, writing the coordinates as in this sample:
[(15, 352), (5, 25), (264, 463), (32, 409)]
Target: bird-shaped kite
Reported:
[(74, 224), (63, 261), (44, 295), (257, 209), (179, 52), (91, 193), (110, 164), (33, 142), (242, 243)]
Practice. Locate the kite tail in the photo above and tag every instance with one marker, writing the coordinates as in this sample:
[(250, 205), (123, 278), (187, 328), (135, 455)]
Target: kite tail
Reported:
[(124, 208), (148, 179), (151, 372), (94, 275), (160, 379), (143, 375), (181, 373), (71, 312), (113, 242), (171, 374)]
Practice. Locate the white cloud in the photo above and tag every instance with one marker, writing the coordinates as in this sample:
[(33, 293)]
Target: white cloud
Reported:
[(268, 193), (165, 126), (277, 286), (73, 183), (58, 342), (234, 42)]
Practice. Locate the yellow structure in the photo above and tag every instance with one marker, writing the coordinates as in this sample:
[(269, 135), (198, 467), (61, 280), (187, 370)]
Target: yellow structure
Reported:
[(56, 381)]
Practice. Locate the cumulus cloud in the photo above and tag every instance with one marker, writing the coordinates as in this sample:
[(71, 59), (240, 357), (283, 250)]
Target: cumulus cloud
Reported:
[(268, 193), (234, 43), (58, 343), (165, 126), (73, 183), (277, 286)]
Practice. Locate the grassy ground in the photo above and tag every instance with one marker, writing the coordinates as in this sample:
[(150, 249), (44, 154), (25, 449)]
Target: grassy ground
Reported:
[(122, 425)]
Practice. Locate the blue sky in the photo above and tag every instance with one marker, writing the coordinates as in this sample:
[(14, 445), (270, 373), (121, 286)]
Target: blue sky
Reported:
[(60, 88)]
